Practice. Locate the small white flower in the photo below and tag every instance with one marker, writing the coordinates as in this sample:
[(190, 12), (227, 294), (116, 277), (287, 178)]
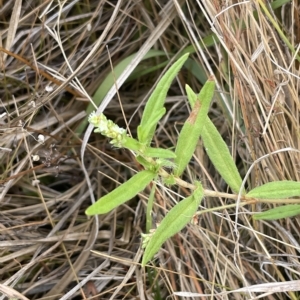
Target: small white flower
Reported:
[(41, 138), (35, 157), (93, 119), (102, 126), (32, 104), (35, 182), (119, 130), (49, 88)]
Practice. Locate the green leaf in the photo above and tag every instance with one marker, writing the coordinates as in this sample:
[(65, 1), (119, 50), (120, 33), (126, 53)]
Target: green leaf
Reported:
[(276, 190), (121, 194), (284, 211), (193, 126), (217, 149), (132, 144), (174, 221), (156, 116), (156, 102), (158, 153), (197, 70), (220, 156)]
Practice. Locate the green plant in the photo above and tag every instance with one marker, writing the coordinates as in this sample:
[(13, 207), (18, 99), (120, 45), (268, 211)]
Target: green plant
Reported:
[(154, 161)]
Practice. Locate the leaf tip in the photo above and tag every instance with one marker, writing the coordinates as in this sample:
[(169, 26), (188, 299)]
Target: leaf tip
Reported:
[(88, 212), (211, 78)]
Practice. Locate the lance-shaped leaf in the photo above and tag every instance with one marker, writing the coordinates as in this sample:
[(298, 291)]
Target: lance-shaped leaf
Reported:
[(284, 211), (173, 222), (276, 190), (143, 131), (121, 194), (217, 149), (156, 102), (220, 156), (192, 128)]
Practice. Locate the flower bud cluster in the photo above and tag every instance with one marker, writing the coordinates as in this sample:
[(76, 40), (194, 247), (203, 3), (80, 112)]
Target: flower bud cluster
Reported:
[(108, 128)]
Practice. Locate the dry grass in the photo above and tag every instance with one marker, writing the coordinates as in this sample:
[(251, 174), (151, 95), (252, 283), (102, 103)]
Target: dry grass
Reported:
[(57, 57)]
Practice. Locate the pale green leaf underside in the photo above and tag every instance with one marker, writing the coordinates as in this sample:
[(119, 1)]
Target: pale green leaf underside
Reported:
[(276, 190), (173, 222), (121, 194), (284, 211), (158, 153)]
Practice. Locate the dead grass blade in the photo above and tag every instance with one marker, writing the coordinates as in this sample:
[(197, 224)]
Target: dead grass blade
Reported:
[(11, 293), (13, 26)]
